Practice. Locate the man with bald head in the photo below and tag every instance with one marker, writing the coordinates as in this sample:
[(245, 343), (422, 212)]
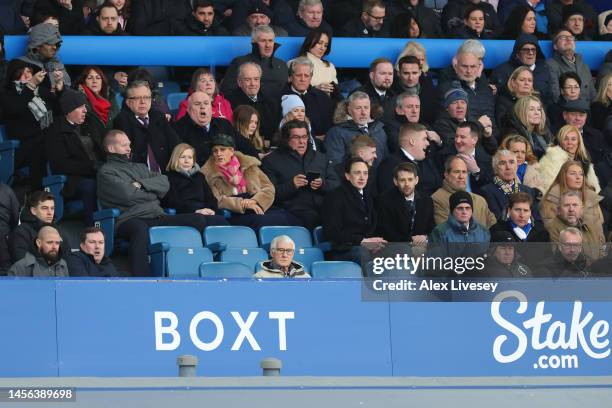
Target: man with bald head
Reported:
[(47, 261), (198, 128)]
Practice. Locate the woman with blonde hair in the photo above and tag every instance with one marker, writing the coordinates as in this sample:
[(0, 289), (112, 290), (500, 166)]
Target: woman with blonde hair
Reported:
[(189, 192), (528, 119), (246, 122), (416, 50), (571, 178), (520, 83), (601, 108), (528, 170), (569, 147)]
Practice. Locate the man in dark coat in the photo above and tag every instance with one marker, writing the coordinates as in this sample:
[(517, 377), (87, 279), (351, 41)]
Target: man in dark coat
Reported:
[(90, 260), (152, 137), (69, 14), (251, 92), (576, 113), (454, 12), (198, 128), (569, 260), (370, 24), (410, 78), (74, 152), (309, 16), (414, 148), (157, 17), (476, 158), (258, 14), (405, 215), (203, 21), (554, 12), (319, 106), (526, 52), (380, 85), (301, 176), (105, 23), (274, 71), (282, 14)]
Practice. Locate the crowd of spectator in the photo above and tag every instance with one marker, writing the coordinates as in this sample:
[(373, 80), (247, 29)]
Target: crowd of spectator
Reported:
[(521, 153)]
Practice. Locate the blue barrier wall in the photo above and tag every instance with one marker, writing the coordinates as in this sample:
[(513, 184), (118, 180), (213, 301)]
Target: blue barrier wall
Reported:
[(138, 327), (205, 51)]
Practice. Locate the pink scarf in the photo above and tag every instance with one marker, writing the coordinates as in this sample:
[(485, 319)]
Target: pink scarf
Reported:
[(231, 174)]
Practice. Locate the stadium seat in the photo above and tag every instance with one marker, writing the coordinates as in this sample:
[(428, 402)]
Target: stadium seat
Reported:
[(174, 100), (169, 245), (306, 256), (54, 183), (185, 262), (246, 256), (219, 237), (7, 156), (300, 236), (169, 87), (319, 240), (225, 270), (335, 269)]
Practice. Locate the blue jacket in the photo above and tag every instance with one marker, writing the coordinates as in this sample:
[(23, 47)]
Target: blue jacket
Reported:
[(451, 239)]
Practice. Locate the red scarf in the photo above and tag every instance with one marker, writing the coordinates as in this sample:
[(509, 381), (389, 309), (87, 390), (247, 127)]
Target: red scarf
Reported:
[(100, 105), (233, 176)]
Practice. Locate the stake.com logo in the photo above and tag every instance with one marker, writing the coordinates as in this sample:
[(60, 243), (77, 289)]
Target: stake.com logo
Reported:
[(554, 337)]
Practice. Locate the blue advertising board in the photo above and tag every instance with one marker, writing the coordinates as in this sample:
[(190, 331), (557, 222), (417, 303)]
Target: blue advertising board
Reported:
[(70, 327)]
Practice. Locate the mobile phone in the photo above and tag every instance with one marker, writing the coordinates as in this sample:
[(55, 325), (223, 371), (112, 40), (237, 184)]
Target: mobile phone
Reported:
[(311, 175)]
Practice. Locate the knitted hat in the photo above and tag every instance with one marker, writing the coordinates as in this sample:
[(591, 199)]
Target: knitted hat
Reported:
[(571, 10), (459, 197), (223, 140), (71, 99), (290, 102), (42, 34), (455, 94), (502, 236), (259, 7)]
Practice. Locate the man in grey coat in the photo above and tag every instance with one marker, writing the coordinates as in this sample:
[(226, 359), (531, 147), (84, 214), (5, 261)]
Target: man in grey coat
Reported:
[(565, 59), (47, 260), (136, 191)]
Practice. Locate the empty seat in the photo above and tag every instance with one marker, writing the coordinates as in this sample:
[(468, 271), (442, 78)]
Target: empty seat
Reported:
[(225, 270), (175, 241), (319, 239), (184, 262), (335, 269), (306, 256), (220, 237), (300, 235), (174, 100), (247, 256)]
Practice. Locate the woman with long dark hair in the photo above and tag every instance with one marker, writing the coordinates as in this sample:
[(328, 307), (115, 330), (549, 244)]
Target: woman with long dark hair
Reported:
[(521, 20), (317, 44)]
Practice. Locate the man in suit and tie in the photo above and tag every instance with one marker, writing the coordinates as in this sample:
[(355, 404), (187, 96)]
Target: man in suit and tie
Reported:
[(405, 215)]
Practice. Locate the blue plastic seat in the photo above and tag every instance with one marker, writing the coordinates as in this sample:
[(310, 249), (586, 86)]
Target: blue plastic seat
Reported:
[(180, 243), (306, 256), (185, 262), (225, 270), (7, 156), (174, 100), (247, 256), (335, 269), (319, 239), (54, 183), (300, 235), (220, 237), (169, 87)]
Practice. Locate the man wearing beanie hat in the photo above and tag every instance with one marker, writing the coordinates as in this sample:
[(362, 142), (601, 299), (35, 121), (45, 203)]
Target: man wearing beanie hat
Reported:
[(503, 261), (460, 235), (573, 20), (557, 15), (258, 14), (455, 112), (75, 150), (43, 43), (69, 13)]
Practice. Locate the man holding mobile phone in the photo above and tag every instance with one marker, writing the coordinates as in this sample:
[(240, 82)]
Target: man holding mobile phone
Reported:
[(300, 175)]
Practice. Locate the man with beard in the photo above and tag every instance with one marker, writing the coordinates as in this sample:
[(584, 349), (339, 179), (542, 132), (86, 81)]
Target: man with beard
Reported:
[(379, 85), (46, 261), (203, 20), (370, 24)]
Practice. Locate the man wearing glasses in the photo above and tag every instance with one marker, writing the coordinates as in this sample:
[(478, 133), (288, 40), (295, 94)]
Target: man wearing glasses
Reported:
[(565, 59), (150, 133), (569, 260), (526, 52), (282, 265), (370, 24)]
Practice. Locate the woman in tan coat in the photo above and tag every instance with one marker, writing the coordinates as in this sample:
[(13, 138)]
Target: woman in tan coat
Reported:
[(241, 187)]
